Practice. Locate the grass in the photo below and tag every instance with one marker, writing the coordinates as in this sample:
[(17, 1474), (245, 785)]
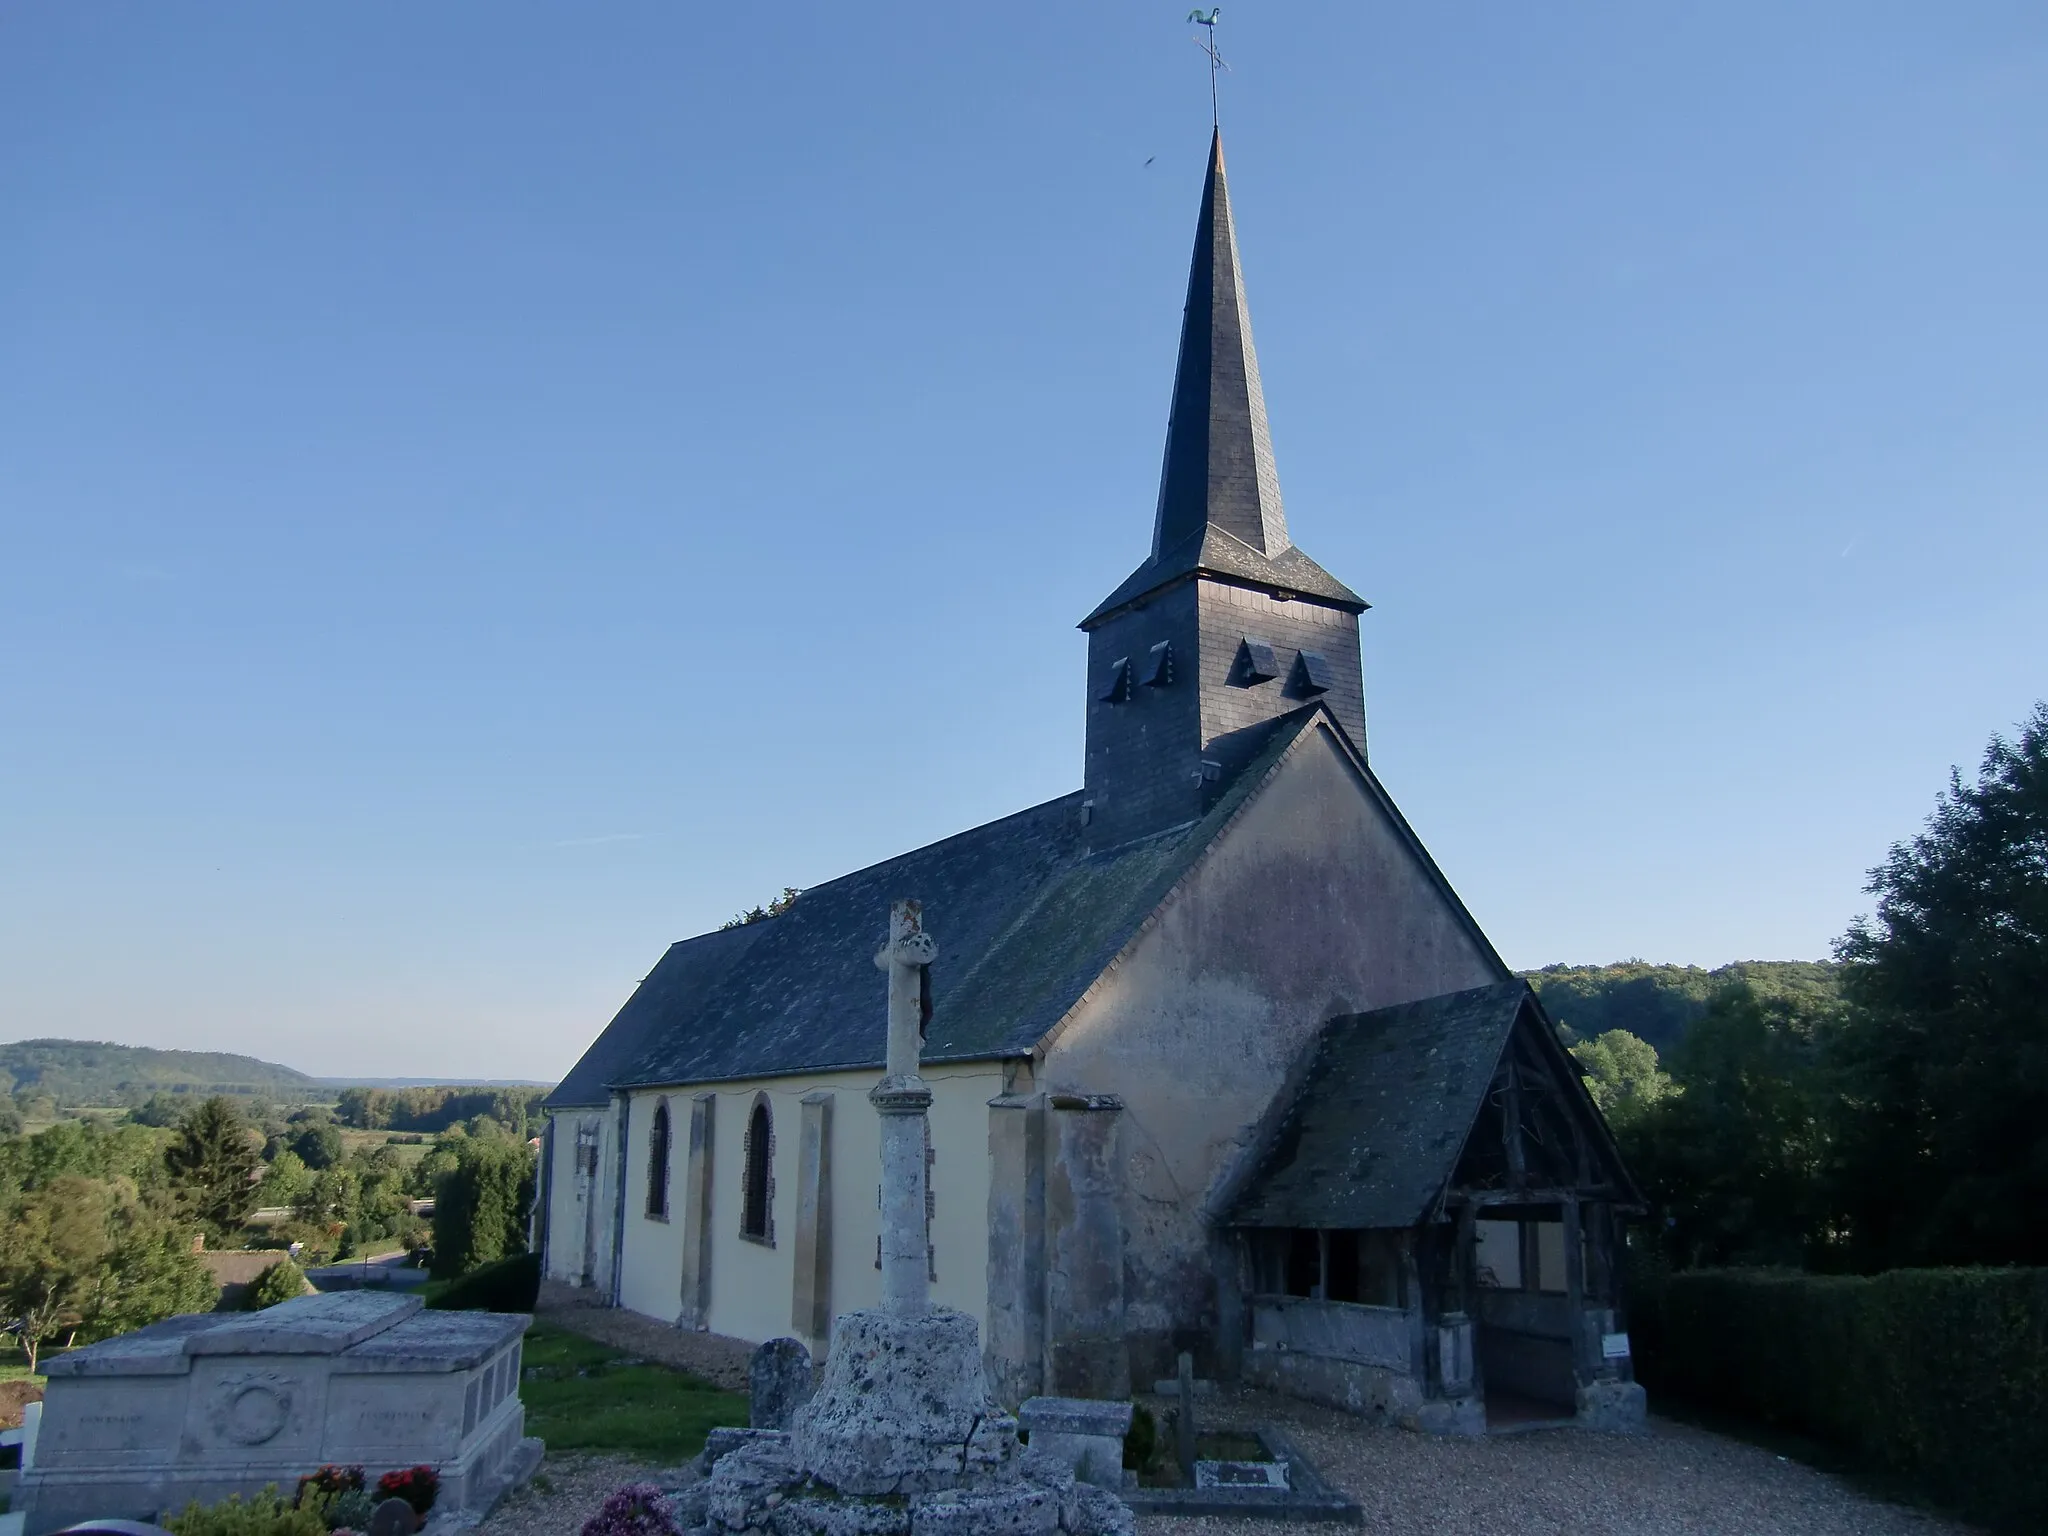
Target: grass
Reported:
[(584, 1396)]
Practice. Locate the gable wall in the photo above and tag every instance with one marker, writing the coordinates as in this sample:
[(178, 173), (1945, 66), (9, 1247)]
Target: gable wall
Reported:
[(753, 1285), (1310, 905), (581, 1213)]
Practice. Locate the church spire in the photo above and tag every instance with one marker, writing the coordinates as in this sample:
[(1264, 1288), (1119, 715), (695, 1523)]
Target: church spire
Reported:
[(1219, 512), (1218, 470)]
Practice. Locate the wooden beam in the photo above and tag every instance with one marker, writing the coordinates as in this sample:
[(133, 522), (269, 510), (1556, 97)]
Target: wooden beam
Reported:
[(1575, 1286)]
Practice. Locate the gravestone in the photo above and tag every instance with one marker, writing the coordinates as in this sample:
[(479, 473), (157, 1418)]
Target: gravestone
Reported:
[(208, 1405), (778, 1383), (393, 1517), (1083, 1435)]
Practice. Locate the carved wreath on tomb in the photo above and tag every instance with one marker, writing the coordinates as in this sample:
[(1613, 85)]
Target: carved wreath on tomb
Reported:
[(251, 1407)]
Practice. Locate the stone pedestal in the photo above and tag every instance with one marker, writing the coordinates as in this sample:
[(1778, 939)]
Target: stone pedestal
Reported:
[(904, 1408), (203, 1406)]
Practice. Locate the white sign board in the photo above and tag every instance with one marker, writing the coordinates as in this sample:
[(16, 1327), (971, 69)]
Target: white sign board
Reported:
[(1614, 1346)]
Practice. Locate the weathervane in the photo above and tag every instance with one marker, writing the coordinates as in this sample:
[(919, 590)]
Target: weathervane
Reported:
[(1208, 45)]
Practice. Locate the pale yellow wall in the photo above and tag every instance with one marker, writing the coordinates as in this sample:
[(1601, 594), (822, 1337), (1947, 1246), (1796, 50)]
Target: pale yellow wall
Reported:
[(752, 1286)]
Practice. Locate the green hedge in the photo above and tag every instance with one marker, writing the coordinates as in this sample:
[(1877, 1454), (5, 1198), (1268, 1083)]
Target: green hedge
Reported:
[(510, 1285), (1939, 1376)]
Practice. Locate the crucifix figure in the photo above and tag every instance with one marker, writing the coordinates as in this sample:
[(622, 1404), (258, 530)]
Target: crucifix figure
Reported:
[(902, 1100)]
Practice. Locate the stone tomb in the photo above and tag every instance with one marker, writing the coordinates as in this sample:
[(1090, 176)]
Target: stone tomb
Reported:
[(202, 1406)]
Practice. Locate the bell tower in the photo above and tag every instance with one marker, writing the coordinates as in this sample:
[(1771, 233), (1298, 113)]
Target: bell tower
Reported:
[(1226, 626)]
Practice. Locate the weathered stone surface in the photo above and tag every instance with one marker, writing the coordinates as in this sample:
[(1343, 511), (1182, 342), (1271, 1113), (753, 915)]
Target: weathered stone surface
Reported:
[(1448, 1416), (778, 1383), (1083, 1435), (311, 1325), (1008, 1509), (749, 1483), (728, 1437), (816, 1514), (1614, 1407), (1091, 1511), (904, 1408), (207, 1406)]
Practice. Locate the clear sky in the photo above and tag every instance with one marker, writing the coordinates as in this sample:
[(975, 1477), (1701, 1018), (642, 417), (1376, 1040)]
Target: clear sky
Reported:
[(488, 489)]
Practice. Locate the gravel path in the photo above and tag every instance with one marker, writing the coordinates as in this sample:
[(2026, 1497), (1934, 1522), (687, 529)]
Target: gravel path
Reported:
[(1674, 1481), (711, 1356), (567, 1491)]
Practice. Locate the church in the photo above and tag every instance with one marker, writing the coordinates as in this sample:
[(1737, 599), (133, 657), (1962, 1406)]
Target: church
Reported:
[(1219, 1060)]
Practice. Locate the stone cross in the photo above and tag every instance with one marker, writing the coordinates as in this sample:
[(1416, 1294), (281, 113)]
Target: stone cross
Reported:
[(902, 1100)]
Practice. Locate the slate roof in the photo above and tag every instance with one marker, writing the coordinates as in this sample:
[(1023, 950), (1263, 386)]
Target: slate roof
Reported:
[(1219, 493), (681, 975), (1374, 1133), (1025, 916)]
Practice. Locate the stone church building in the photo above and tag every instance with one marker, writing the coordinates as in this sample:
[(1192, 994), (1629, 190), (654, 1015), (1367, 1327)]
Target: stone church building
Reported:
[(1219, 1060)]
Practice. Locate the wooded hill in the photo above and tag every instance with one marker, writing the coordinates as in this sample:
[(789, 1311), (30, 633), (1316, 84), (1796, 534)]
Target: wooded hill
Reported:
[(93, 1072), (1658, 1003)]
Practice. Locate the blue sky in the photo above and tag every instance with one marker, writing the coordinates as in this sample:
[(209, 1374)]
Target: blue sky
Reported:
[(489, 489)]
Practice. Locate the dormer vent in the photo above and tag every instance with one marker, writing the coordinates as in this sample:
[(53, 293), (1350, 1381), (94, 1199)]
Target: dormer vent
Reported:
[(1312, 675), (1158, 665), (1117, 690), (1255, 663)]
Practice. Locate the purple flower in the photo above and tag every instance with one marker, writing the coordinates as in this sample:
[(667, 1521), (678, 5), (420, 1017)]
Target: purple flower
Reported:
[(638, 1509)]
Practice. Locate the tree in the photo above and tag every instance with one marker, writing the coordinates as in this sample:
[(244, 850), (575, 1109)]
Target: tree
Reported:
[(1945, 1054), (1732, 1157), (213, 1165), (760, 914), (283, 1281), (150, 1272), (480, 1205), (159, 1110), (284, 1180), (1622, 1074), (318, 1146), (50, 1264)]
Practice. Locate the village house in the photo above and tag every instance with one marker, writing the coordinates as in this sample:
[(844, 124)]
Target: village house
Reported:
[(1220, 1062)]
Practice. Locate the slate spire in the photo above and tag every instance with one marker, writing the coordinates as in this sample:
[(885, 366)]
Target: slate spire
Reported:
[(1219, 454), (1219, 512)]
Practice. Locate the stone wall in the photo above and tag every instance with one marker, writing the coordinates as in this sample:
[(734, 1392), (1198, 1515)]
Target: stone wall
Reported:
[(1313, 903)]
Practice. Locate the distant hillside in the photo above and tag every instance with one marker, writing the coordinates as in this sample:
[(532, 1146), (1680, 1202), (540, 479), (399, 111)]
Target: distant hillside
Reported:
[(1658, 1003), (77, 1072), (432, 1082)]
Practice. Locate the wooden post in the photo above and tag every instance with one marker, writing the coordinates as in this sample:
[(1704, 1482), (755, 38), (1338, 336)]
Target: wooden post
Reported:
[(1575, 1286), (1184, 1426)]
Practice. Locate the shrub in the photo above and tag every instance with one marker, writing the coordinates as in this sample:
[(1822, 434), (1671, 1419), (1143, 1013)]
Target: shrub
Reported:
[(418, 1486), (638, 1509), (1141, 1440), (480, 1205), (328, 1481), (1938, 1376), (265, 1514), (349, 1511), (510, 1285), (282, 1281)]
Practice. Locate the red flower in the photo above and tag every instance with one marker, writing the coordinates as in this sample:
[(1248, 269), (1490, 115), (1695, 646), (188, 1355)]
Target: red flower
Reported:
[(418, 1486)]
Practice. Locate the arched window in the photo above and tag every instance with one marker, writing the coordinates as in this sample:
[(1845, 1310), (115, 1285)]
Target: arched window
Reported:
[(757, 1205), (657, 1161)]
